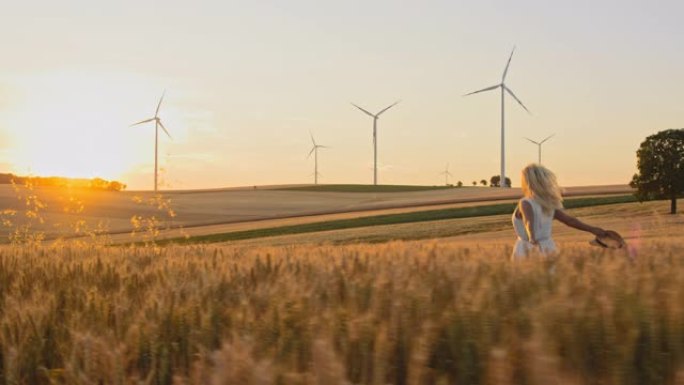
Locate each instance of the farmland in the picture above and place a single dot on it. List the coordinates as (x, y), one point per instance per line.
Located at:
(436, 302)
(69, 212)
(637, 222)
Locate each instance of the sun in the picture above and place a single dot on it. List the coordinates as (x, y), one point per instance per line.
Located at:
(78, 125)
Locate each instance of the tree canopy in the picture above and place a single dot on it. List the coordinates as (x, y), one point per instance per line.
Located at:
(660, 164)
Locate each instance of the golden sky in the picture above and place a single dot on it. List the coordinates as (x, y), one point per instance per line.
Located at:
(247, 81)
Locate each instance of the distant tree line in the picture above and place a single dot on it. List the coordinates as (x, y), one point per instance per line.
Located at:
(56, 181)
(493, 182)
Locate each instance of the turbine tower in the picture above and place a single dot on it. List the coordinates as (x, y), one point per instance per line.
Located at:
(539, 144)
(157, 124)
(314, 150)
(375, 136)
(446, 174)
(504, 89)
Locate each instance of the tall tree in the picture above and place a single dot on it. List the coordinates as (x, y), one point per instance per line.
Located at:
(660, 161)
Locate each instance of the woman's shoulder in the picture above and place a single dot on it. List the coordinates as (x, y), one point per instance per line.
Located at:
(531, 202)
(526, 204)
(526, 200)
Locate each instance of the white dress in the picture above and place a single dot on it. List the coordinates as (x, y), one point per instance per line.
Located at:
(542, 232)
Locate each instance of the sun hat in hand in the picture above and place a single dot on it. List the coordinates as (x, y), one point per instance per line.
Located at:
(609, 240)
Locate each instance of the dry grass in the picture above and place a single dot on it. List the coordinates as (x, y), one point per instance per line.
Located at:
(396, 313)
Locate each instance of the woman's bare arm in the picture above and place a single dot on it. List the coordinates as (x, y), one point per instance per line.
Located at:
(575, 223)
(528, 220)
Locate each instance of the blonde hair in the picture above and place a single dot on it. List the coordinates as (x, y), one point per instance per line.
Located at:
(540, 183)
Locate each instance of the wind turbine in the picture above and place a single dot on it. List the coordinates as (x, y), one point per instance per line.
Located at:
(157, 124)
(504, 89)
(539, 144)
(446, 174)
(314, 150)
(375, 136)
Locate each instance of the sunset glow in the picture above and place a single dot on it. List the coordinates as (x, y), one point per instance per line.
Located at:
(77, 125)
(247, 82)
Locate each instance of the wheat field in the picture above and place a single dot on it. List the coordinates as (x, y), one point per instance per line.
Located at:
(420, 312)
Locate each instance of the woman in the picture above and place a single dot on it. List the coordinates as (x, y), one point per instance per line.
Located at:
(541, 204)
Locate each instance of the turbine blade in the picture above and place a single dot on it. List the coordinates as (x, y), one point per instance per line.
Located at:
(164, 128)
(312, 139)
(484, 89)
(547, 138)
(367, 113)
(516, 98)
(312, 151)
(156, 113)
(321, 146)
(142, 121)
(388, 107)
(532, 141)
(507, 65)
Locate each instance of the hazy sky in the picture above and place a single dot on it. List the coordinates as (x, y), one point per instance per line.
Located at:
(246, 82)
